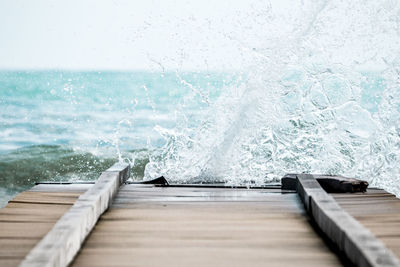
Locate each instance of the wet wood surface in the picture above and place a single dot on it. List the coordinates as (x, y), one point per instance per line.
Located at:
(164, 226)
(29, 216)
(378, 211)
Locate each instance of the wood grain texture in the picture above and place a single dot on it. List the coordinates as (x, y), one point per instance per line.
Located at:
(176, 226)
(378, 211)
(28, 217)
(60, 245)
(358, 243)
(161, 226)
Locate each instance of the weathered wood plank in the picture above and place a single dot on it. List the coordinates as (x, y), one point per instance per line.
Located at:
(378, 211)
(170, 226)
(359, 244)
(56, 188)
(63, 241)
(136, 193)
(204, 227)
(67, 198)
(23, 224)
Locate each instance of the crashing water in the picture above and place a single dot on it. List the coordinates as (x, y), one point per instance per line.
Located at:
(322, 96)
(71, 126)
(320, 93)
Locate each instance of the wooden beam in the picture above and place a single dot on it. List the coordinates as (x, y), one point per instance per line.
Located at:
(358, 243)
(63, 241)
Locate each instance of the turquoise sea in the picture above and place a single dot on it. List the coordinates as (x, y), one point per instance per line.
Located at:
(196, 126)
(70, 126)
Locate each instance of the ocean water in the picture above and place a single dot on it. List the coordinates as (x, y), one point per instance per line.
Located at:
(71, 126)
(319, 92)
(193, 127)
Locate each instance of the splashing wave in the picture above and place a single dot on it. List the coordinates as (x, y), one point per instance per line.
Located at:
(322, 96)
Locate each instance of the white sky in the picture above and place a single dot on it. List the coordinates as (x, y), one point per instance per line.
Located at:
(125, 35)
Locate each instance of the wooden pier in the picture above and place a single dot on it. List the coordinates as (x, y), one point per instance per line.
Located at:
(111, 223)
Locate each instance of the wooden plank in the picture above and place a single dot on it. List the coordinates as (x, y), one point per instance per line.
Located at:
(24, 223)
(204, 227)
(149, 193)
(359, 244)
(67, 198)
(378, 211)
(170, 226)
(63, 241)
(77, 188)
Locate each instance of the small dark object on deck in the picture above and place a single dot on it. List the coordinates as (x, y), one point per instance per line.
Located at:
(159, 181)
(340, 184)
(289, 181)
(330, 183)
